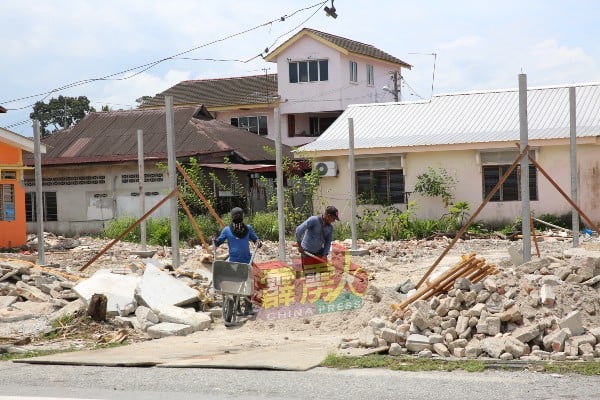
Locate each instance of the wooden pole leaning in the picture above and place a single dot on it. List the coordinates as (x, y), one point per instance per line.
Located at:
(474, 215)
(566, 196)
(192, 221)
(200, 195)
(122, 235)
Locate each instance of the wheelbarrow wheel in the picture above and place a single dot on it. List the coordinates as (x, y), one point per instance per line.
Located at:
(228, 310)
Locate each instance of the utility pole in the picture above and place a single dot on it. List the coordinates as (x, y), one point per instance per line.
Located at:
(397, 95)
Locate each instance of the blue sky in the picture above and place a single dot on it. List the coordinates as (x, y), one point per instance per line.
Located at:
(478, 45)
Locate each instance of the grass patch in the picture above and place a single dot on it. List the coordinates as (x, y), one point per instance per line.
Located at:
(427, 364)
(573, 367)
(29, 354)
(402, 363)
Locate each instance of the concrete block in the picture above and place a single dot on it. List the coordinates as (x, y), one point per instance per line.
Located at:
(377, 323)
(441, 349)
(516, 254)
(165, 329)
(31, 293)
(515, 346)
(196, 320)
(143, 314)
(415, 343)
(526, 333)
(555, 341)
(457, 343)
(506, 357)
(459, 352)
(367, 337)
(157, 287)
(473, 349)
(476, 310)
(596, 332)
(493, 325)
(443, 308)
(551, 280)
(494, 347)
(573, 322)
(462, 323)
(395, 350)
(586, 348)
(513, 314)
(390, 335)
(425, 353)
(119, 289)
(558, 356)
(420, 320)
(547, 295)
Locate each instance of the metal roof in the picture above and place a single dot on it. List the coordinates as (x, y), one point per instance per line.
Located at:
(112, 137)
(460, 118)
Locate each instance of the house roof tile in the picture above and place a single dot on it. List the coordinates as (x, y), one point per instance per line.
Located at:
(224, 92)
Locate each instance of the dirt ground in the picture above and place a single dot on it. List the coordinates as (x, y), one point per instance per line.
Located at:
(388, 264)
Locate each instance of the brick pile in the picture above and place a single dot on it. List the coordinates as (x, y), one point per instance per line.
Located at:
(544, 309)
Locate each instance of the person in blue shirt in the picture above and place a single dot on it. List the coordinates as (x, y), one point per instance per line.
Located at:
(238, 236)
(315, 234)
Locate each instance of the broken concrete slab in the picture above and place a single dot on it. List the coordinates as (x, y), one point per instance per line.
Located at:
(119, 289)
(157, 287)
(34, 307)
(165, 329)
(573, 322)
(196, 320)
(31, 293)
(69, 309)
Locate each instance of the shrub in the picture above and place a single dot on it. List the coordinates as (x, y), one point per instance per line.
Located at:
(117, 226)
(265, 225)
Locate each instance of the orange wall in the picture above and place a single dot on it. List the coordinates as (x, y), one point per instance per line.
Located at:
(13, 233)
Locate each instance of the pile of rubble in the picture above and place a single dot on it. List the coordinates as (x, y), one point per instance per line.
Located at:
(144, 296)
(544, 309)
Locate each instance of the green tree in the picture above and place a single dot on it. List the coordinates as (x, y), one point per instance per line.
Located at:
(60, 113)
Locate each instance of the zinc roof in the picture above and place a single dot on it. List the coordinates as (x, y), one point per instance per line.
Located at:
(112, 137)
(461, 118)
(223, 92)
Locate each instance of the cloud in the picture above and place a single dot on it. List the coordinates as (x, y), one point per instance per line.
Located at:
(122, 94)
(464, 42)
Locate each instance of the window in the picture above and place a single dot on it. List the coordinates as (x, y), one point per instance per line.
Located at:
(353, 71)
(370, 75)
(7, 202)
(49, 207)
(309, 71)
(511, 188)
(318, 125)
(255, 124)
(8, 174)
(380, 187)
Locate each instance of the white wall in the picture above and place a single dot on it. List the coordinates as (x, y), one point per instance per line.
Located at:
(463, 164)
(87, 208)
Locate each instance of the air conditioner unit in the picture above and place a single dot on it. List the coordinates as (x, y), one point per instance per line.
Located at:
(326, 168)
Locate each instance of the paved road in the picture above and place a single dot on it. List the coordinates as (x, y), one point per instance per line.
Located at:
(79, 382)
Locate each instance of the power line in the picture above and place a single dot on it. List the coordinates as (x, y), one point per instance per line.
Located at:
(152, 64)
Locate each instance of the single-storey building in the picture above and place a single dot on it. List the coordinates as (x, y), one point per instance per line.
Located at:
(472, 136)
(12, 192)
(90, 172)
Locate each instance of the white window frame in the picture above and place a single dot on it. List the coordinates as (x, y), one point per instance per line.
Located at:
(370, 75)
(353, 71)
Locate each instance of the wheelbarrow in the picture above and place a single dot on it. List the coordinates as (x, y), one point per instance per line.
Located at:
(233, 280)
